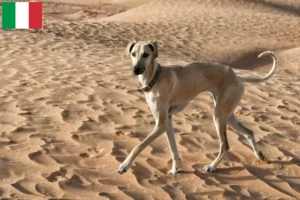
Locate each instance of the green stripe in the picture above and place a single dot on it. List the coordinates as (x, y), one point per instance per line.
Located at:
(8, 15)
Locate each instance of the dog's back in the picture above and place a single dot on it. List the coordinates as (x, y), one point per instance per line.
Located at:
(192, 79)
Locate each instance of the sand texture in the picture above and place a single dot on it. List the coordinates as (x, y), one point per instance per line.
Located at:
(70, 112)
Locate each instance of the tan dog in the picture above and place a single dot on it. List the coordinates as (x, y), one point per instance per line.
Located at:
(168, 90)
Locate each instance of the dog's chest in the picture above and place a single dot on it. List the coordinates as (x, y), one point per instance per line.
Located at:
(152, 101)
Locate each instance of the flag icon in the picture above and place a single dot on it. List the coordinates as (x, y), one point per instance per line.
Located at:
(21, 15)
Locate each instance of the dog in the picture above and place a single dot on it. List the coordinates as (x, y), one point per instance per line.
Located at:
(168, 90)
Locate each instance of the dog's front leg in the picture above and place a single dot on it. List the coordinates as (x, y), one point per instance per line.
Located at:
(157, 131)
(161, 124)
(173, 148)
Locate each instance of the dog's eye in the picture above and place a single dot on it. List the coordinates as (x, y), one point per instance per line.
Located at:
(133, 54)
(145, 55)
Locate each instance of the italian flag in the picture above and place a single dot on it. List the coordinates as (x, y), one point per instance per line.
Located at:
(21, 15)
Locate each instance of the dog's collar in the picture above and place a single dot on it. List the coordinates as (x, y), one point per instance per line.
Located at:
(148, 87)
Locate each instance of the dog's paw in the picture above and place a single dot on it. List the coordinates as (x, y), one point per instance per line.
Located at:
(123, 167)
(122, 170)
(173, 172)
(209, 168)
(262, 159)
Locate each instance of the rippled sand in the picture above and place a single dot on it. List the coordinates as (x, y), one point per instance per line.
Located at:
(70, 112)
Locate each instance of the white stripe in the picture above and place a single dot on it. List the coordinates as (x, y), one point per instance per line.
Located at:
(22, 15)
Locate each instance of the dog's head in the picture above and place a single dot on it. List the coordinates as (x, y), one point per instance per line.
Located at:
(142, 54)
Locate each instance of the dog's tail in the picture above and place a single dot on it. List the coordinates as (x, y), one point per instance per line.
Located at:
(266, 77)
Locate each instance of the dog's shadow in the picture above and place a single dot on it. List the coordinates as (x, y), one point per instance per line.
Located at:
(267, 173)
(224, 170)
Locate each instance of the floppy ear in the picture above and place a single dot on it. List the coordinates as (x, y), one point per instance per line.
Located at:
(153, 45)
(128, 49)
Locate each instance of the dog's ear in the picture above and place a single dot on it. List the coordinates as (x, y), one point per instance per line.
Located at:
(128, 49)
(153, 46)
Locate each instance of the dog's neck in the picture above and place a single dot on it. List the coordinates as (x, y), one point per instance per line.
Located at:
(146, 77)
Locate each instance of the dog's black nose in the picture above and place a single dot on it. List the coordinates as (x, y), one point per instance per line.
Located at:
(136, 71)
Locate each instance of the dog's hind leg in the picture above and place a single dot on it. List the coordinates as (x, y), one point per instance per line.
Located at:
(220, 124)
(248, 134)
(225, 103)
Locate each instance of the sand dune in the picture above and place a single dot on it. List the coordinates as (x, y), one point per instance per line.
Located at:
(70, 112)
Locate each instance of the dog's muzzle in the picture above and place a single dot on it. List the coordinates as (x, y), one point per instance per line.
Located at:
(137, 71)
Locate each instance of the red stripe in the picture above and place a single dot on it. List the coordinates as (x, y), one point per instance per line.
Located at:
(35, 15)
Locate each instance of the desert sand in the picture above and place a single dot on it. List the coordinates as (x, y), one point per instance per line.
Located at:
(70, 112)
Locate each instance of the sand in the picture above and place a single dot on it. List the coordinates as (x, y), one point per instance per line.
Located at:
(70, 112)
